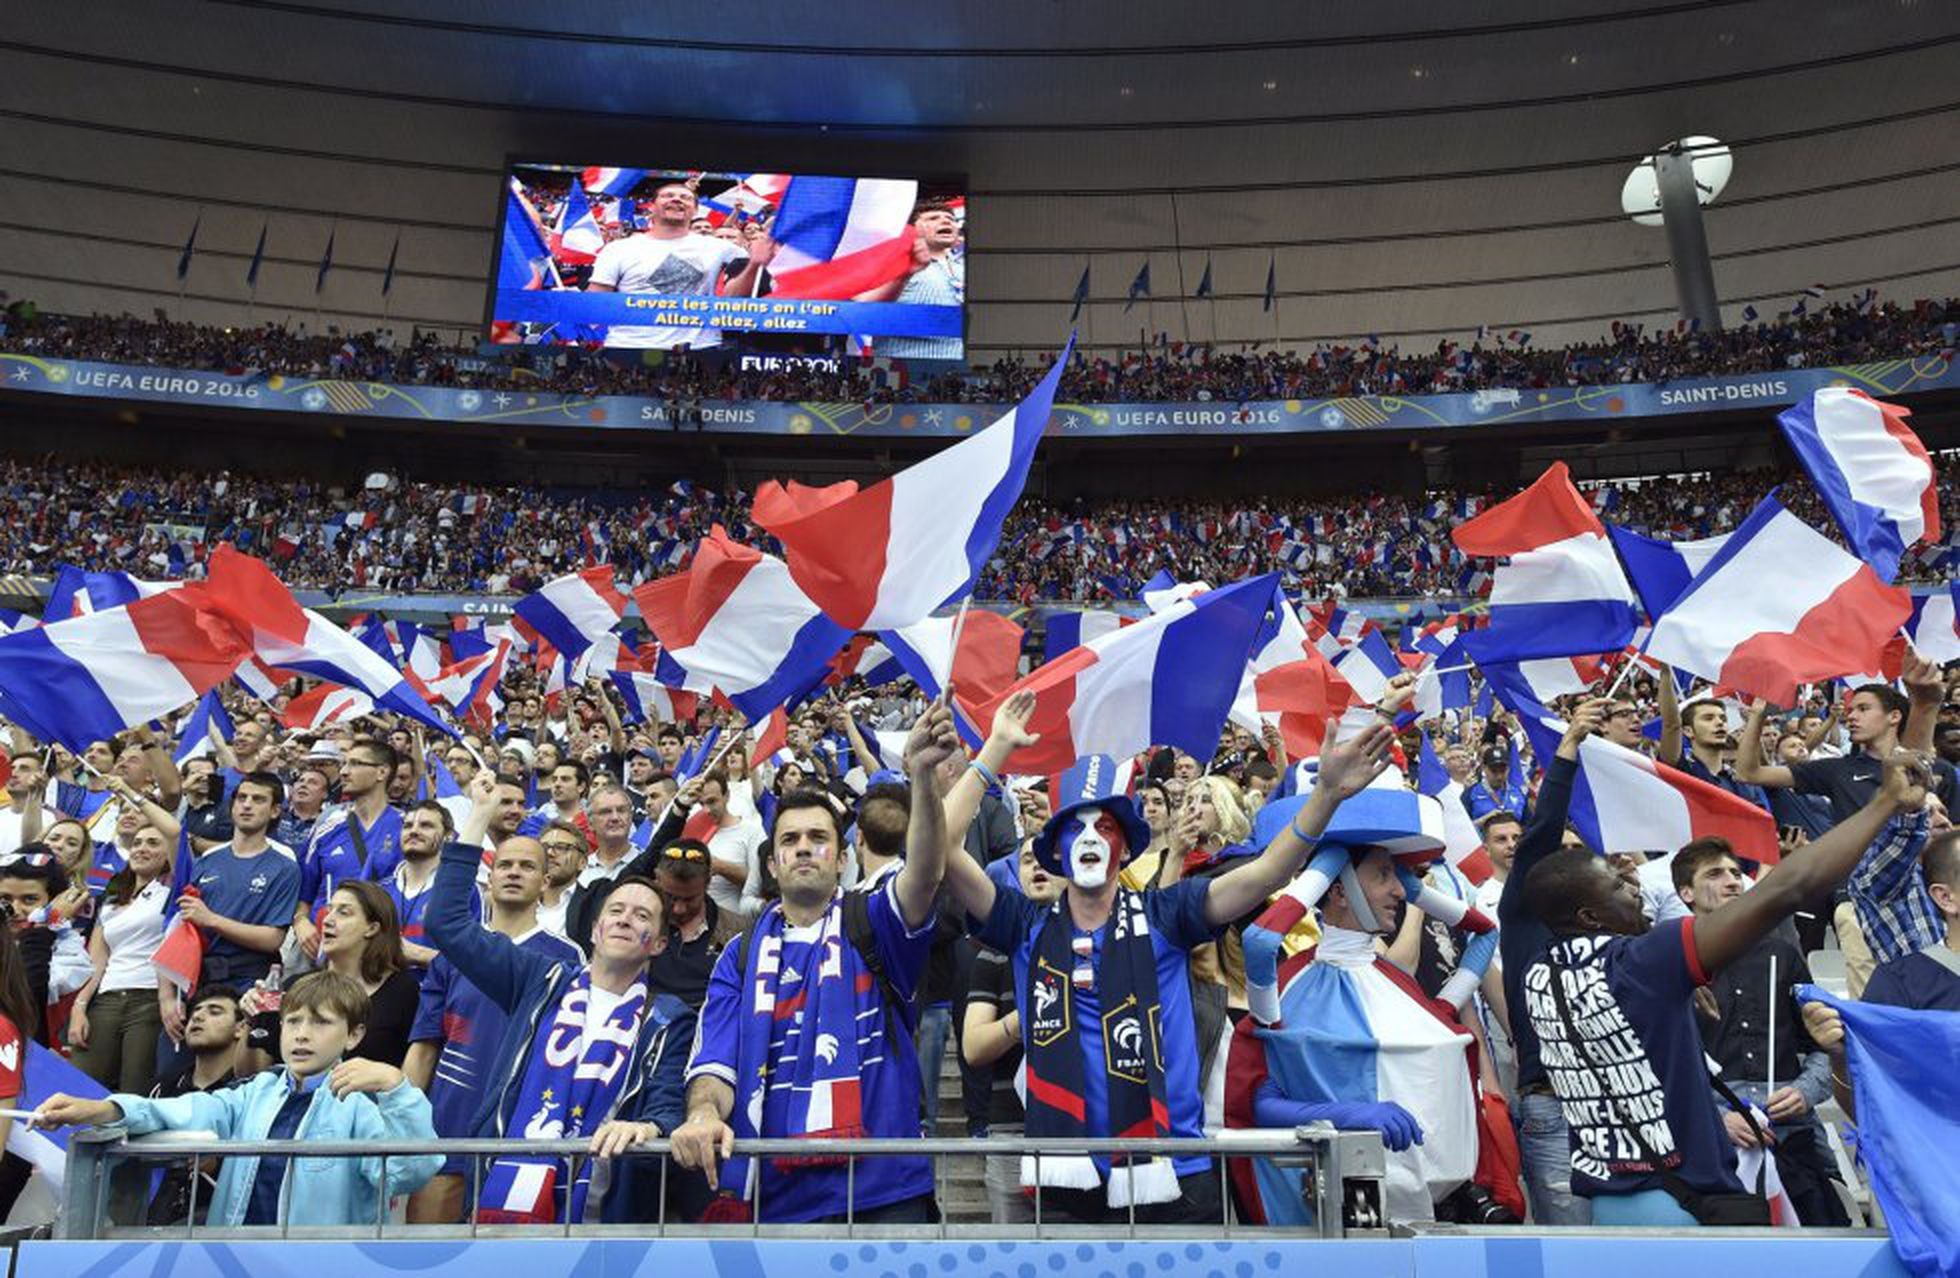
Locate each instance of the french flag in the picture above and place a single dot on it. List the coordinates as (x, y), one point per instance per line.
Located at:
(616, 183)
(466, 686)
(89, 677)
(1168, 680)
(572, 611)
(608, 654)
(1289, 680)
(1779, 605)
(44, 1074)
(1871, 470)
(737, 623)
(324, 705)
(988, 660)
(1935, 629)
(1548, 678)
(1068, 630)
(194, 741)
(1367, 665)
(1563, 591)
(76, 593)
(1623, 801)
(578, 238)
(1660, 570)
(326, 652)
(892, 554)
(837, 237)
(650, 701)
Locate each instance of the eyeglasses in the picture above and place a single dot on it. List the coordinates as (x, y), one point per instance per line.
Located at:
(364, 763)
(562, 845)
(683, 854)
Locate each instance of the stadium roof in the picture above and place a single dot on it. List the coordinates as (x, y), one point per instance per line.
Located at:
(1408, 169)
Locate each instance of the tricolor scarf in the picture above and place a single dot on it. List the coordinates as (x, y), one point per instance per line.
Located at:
(815, 1089)
(573, 1076)
(1133, 1055)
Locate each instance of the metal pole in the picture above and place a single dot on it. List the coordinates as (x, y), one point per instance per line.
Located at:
(1687, 242)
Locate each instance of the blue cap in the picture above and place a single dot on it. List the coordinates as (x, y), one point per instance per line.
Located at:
(1090, 782)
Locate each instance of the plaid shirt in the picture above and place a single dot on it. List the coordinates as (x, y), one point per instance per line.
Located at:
(1889, 893)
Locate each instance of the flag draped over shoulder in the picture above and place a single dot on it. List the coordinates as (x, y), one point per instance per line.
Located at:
(1903, 1064)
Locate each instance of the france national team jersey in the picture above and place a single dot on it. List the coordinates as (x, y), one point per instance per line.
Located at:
(887, 1094)
(261, 889)
(334, 855)
(1177, 925)
(468, 1024)
(410, 909)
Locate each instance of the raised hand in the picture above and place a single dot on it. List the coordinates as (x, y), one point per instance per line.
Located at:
(1907, 775)
(933, 739)
(1346, 767)
(1010, 726)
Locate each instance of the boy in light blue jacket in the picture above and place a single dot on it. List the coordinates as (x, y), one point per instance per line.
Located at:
(315, 1096)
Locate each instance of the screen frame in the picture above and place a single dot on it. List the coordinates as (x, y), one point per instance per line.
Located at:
(514, 160)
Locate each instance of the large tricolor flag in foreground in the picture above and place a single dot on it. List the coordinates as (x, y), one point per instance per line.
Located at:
(1168, 680)
(1902, 1065)
(572, 611)
(76, 593)
(736, 623)
(88, 678)
(1779, 605)
(1874, 475)
(1623, 801)
(1068, 630)
(1563, 591)
(886, 556)
(44, 1074)
(1661, 569)
(837, 237)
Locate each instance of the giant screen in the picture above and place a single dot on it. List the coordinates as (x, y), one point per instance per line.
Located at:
(657, 259)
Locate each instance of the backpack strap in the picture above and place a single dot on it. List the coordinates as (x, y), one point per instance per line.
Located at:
(858, 930)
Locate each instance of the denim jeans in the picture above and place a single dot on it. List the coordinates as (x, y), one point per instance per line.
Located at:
(935, 1023)
(1545, 1146)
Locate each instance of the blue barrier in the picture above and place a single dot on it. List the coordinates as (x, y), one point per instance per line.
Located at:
(1593, 405)
(1581, 1254)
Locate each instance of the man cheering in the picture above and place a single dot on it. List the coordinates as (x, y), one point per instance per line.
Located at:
(807, 1029)
(671, 259)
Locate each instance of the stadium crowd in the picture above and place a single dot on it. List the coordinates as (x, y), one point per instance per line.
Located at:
(383, 914)
(443, 537)
(1843, 333)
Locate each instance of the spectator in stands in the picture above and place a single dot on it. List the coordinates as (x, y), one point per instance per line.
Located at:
(1494, 790)
(20, 1013)
(853, 961)
(305, 802)
(321, 1093)
(31, 881)
(207, 810)
(426, 829)
(361, 839)
(698, 928)
(114, 1024)
(623, 1082)
(1752, 1000)
(214, 1035)
(360, 938)
(25, 818)
(458, 1030)
(1635, 1076)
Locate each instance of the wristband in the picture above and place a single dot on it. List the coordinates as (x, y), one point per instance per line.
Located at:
(986, 773)
(1310, 840)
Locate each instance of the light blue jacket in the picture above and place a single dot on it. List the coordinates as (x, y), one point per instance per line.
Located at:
(322, 1191)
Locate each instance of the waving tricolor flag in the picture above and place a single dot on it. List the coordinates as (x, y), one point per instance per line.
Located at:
(324, 705)
(572, 611)
(1871, 470)
(1779, 606)
(1168, 680)
(1289, 681)
(77, 593)
(736, 623)
(467, 686)
(650, 701)
(1072, 629)
(613, 182)
(194, 739)
(326, 652)
(1935, 626)
(1660, 569)
(886, 556)
(837, 237)
(577, 238)
(988, 660)
(1563, 591)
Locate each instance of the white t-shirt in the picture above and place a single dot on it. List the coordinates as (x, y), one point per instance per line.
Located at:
(742, 844)
(688, 266)
(10, 823)
(1657, 891)
(133, 933)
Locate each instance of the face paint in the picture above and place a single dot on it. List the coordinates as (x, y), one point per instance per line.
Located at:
(1092, 844)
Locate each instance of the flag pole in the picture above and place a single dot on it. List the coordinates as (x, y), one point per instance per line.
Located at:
(1177, 246)
(1769, 1049)
(1626, 668)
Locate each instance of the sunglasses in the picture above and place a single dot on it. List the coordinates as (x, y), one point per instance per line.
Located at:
(32, 859)
(683, 854)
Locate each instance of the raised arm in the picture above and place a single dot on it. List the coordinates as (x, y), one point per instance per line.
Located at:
(966, 878)
(1726, 934)
(1670, 699)
(1346, 769)
(932, 742)
(1749, 765)
(162, 768)
(1925, 690)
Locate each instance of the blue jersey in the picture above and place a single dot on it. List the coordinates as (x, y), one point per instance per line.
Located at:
(410, 909)
(889, 1063)
(334, 855)
(261, 890)
(462, 1018)
(1177, 925)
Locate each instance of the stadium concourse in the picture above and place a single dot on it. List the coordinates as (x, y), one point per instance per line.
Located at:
(1054, 639)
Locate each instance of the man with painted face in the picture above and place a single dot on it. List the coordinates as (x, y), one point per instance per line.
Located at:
(1102, 977)
(1339, 1034)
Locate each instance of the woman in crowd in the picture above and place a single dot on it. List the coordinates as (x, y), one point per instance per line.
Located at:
(360, 937)
(113, 1027)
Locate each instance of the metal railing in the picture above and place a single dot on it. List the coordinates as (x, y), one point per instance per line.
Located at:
(1335, 1166)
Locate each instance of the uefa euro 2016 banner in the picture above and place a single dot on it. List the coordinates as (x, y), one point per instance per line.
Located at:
(1590, 404)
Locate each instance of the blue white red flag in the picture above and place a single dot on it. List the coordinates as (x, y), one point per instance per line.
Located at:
(838, 237)
(577, 238)
(571, 612)
(194, 740)
(1072, 629)
(44, 1074)
(737, 623)
(650, 701)
(1660, 570)
(616, 183)
(889, 555)
(1562, 591)
(1779, 605)
(1873, 473)
(1934, 629)
(77, 593)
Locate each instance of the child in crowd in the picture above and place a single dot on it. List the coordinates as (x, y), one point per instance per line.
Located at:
(315, 1095)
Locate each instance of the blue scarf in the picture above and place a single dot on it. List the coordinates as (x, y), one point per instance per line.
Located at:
(573, 1076)
(819, 1070)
